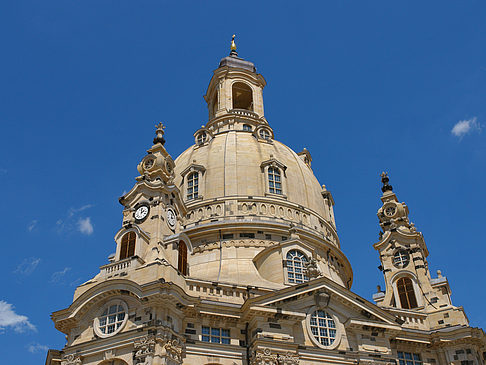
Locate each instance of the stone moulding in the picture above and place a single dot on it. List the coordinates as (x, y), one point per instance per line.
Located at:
(266, 356)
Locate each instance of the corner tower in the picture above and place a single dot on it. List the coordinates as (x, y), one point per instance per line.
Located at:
(420, 299)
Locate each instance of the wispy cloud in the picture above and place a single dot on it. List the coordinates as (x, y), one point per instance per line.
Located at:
(466, 126)
(73, 211)
(59, 275)
(85, 226)
(27, 266)
(32, 225)
(72, 222)
(10, 319)
(37, 347)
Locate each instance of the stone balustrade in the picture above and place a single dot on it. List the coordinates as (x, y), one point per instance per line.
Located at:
(120, 268)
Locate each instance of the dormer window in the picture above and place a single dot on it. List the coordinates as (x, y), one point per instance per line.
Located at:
(242, 96)
(296, 261)
(264, 134)
(202, 137)
(127, 248)
(193, 185)
(274, 180)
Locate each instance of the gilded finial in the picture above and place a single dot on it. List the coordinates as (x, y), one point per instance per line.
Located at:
(233, 46)
(159, 134)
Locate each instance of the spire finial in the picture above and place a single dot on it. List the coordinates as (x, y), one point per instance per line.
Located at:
(159, 134)
(233, 46)
(385, 179)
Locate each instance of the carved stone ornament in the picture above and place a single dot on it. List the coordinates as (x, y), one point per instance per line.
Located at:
(312, 269)
(71, 360)
(144, 350)
(173, 349)
(267, 357)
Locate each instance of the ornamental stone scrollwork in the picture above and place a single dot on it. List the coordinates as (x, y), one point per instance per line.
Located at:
(267, 357)
(312, 269)
(71, 360)
(144, 350)
(173, 349)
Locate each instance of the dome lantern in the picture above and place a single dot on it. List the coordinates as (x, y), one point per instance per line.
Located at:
(235, 94)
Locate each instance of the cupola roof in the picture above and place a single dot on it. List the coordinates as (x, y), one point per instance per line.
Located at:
(236, 62)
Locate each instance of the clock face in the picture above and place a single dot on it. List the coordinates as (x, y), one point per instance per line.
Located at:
(171, 218)
(141, 212)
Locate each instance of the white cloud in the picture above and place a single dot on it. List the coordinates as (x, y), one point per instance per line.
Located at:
(72, 223)
(27, 266)
(32, 225)
(85, 226)
(10, 319)
(59, 275)
(466, 126)
(37, 347)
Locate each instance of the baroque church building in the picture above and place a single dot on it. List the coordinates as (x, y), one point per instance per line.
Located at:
(229, 255)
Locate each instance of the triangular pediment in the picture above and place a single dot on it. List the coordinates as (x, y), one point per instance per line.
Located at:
(323, 292)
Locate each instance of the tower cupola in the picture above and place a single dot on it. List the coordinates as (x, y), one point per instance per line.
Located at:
(235, 96)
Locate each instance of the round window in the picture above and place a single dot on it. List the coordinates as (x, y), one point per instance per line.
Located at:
(323, 327)
(390, 210)
(264, 134)
(401, 258)
(111, 319)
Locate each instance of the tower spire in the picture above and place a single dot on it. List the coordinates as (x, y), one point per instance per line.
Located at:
(233, 47)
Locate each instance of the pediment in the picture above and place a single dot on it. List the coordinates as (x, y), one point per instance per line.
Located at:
(323, 292)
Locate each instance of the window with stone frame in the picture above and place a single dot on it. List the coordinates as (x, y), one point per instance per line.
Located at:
(192, 185)
(201, 138)
(274, 180)
(406, 293)
(264, 134)
(409, 358)
(215, 335)
(323, 327)
(127, 248)
(296, 261)
(182, 258)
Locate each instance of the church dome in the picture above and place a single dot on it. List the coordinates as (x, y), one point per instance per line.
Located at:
(251, 202)
(235, 164)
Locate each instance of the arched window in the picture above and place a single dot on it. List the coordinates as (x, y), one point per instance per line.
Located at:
(242, 96)
(193, 185)
(215, 103)
(274, 180)
(127, 245)
(296, 261)
(182, 259)
(406, 293)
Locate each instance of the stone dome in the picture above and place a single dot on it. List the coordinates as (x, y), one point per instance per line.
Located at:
(234, 164)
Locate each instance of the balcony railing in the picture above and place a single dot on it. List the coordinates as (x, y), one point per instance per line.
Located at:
(122, 266)
(244, 112)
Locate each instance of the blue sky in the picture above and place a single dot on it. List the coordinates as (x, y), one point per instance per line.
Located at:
(364, 86)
